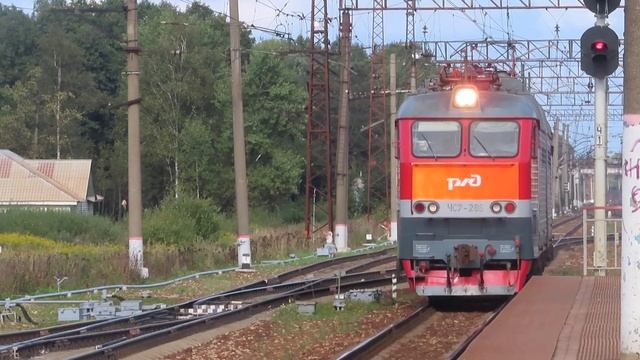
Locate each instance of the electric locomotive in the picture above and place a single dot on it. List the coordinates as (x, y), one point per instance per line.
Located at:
(475, 184)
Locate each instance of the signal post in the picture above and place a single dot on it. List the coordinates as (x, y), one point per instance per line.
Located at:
(599, 58)
(630, 306)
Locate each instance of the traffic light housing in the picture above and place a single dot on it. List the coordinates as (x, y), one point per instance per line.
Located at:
(600, 50)
(602, 7)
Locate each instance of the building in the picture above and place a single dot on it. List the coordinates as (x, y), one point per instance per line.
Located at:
(47, 185)
(582, 182)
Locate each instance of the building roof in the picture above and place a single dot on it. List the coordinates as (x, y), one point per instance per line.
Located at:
(74, 175)
(43, 181)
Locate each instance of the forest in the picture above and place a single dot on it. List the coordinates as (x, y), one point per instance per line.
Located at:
(63, 93)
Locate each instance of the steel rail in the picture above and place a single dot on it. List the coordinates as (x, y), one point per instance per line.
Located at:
(79, 340)
(567, 220)
(10, 340)
(457, 352)
(577, 240)
(366, 348)
(143, 342)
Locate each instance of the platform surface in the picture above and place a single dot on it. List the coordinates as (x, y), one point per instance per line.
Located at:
(555, 318)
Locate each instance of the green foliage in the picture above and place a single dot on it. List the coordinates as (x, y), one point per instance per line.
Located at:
(347, 319)
(28, 269)
(62, 226)
(17, 32)
(275, 124)
(15, 242)
(182, 221)
(292, 212)
(186, 110)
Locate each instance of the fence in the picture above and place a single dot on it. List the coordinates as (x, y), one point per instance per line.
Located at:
(613, 225)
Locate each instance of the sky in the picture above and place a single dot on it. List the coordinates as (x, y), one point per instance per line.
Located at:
(292, 16)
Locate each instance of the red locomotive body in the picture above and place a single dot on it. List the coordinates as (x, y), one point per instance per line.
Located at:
(475, 162)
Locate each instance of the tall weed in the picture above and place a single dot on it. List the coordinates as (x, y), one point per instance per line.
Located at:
(70, 227)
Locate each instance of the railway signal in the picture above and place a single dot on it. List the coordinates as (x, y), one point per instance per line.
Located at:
(600, 51)
(599, 58)
(602, 7)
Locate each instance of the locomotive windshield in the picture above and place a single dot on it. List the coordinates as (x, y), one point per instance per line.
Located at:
(494, 138)
(436, 138)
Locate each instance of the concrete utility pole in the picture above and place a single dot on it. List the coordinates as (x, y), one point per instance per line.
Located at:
(239, 160)
(630, 307)
(341, 234)
(565, 168)
(554, 168)
(393, 160)
(600, 176)
(133, 114)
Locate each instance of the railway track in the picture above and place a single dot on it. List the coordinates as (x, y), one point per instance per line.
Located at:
(370, 346)
(313, 289)
(118, 335)
(256, 296)
(566, 220)
(458, 351)
(412, 327)
(404, 328)
(567, 237)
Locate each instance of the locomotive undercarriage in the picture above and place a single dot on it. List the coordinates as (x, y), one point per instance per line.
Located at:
(485, 257)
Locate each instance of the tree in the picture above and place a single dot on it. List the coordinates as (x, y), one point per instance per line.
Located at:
(17, 45)
(275, 122)
(19, 115)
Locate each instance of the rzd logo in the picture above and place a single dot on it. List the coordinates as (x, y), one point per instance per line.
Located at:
(473, 181)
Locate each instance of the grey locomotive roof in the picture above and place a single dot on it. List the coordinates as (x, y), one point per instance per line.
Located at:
(498, 104)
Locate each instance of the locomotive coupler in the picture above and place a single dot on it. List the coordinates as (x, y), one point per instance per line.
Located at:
(465, 254)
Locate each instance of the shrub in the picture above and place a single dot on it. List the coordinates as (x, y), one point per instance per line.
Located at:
(292, 213)
(182, 221)
(70, 227)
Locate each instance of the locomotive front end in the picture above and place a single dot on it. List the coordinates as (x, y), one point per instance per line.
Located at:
(468, 224)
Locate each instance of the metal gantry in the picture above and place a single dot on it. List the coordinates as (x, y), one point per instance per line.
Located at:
(410, 41)
(550, 68)
(457, 5)
(378, 164)
(319, 179)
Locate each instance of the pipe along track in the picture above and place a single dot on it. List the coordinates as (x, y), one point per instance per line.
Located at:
(71, 335)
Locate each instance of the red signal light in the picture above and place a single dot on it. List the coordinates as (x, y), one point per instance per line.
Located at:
(419, 207)
(599, 46)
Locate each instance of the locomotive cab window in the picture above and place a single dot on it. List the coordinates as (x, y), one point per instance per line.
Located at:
(436, 138)
(494, 138)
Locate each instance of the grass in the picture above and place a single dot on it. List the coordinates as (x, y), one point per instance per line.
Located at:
(91, 251)
(46, 314)
(68, 227)
(288, 315)
(326, 322)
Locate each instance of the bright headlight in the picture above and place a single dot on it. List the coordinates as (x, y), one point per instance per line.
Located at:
(465, 97)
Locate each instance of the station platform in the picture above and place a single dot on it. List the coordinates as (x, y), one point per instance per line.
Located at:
(555, 318)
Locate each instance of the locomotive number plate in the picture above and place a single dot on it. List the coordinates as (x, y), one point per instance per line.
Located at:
(465, 208)
(421, 248)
